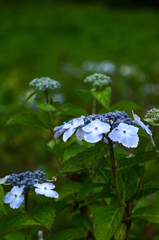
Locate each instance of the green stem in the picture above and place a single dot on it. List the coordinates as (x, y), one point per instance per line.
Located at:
(26, 209)
(50, 116)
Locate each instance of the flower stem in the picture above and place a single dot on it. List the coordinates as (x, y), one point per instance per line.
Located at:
(50, 116)
(26, 209)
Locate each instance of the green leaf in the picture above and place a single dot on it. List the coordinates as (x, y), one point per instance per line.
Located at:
(137, 159)
(26, 119)
(69, 189)
(69, 234)
(128, 183)
(73, 110)
(120, 232)
(31, 95)
(106, 221)
(88, 159)
(125, 105)
(106, 192)
(156, 136)
(151, 122)
(147, 189)
(103, 97)
(84, 95)
(71, 151)
(2, 208)
(44, 213)
(150, 214)
(105, 170)
(87, 189)
(15, 222)
(80, 220)
(45, 107)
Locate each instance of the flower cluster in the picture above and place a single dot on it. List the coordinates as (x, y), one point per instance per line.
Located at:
(24, 182)
(98, 80)
(153, 114)
(115, 126)
(44, 83)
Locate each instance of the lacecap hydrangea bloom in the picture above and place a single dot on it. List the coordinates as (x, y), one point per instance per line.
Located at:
(44, 83)
(115, 126)
(26, 181)
(98, 80)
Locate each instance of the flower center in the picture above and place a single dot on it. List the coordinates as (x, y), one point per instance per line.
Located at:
(96, 128)
(45, 188)
(15, 195)
(124, 131)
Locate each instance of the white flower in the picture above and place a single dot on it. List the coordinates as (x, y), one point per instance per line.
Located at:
(80, 134)
(3, 180)
(126, 135)
(15, 197)
(93, 132)
(46, 189)
(143, 126)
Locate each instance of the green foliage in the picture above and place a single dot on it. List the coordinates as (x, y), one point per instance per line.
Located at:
(87, 189)
(69, 189)
(69, 234)
(45, 106)
(73, 110)
(103, 97)
(71, 151)
(150, 214)
(106, 221)
(44, 213)
(2, 208)
(147, 189)
(120, 232)
(84, 95)
(14, 222)
(31, 95)
(88, 159)
(105, 170)
(125, 105)
(80, 220)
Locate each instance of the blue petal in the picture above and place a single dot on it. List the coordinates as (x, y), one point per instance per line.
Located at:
(9, 198)
(68, 133)
(16, 190)
(104, 128)
(48, 185)
(17, 202)
(92, 137)
(80, 134)
(130, 141)
(51, 193)
(88, 128)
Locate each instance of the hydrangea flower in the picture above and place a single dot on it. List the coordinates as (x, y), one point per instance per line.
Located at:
(68, 128)
(126, 135)
(143, 126)
(14, 197)
(93, 132)
(46, 189)
(44, 83)
(98, 79)
(4, 180)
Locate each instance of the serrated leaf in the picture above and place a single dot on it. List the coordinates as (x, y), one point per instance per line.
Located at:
(128, 183)
(150, 214)
(103, 97)
(26, 119)
(88, 159)
(120, 232)
(137, 159)
(69, 234)
(84, 95)
(15, 222)
(44, 213)
(106, 221)
(69, 189)
(45, 107)
(147, 189)
(71, 151)
(2, 208)
(126, 105)
(105, 170)
(80, 220)
(106, 192)
(73, 110)
(87, 189)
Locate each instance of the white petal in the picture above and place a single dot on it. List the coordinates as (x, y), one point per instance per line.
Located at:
(67, 125)
(104, 128)
(88, 128)
(80, 134)
(68, 133)
(92, 137)
(130, 141)
(15, 190)
(96, 123)
(135, 116)
(40, 191)
(57, 128)
(51, 193)
(3, 180)
(128, 128)
(20, 191)
(9, 198)
(58, 133)
(48, 185)
(17, 202)
(78, 123)
(115, 135)
(38, 185)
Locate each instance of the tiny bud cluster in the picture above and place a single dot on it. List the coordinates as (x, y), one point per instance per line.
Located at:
(44, 83)
(98, 80)
(26, 179)
(153, 114)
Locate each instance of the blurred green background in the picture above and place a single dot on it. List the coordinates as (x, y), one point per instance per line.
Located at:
(68, 41)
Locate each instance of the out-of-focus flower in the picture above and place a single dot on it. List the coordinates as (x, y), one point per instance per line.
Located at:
(93, 132)
(143, 126)
(126, 135)
(98, 80)
(46, 189)
(44, 83)
(15, 197)
(4, 180)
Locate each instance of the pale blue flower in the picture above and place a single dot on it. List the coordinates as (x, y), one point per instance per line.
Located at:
(126, 135)
(93, 132)
(69, 128)
(4, 180)
(15, 197)
(143, 126)
(80, 134)
(46, 189)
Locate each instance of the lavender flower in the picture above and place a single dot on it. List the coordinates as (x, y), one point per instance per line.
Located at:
(14, 197)
(46, 189)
